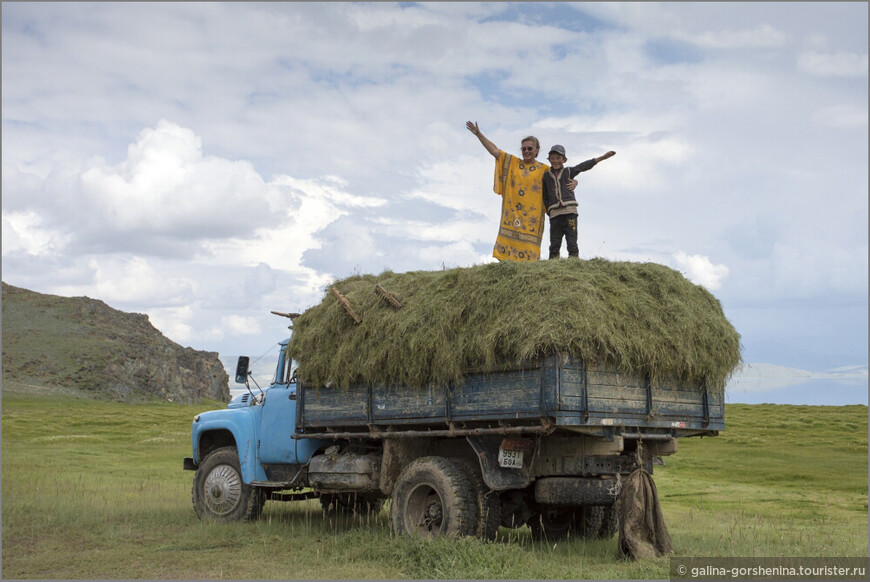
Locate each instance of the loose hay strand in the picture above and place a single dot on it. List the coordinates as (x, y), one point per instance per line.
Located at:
(638, 318)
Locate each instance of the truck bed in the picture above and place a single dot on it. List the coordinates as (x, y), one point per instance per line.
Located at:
(563, 392)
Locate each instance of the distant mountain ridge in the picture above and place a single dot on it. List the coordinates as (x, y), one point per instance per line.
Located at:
(82, 343)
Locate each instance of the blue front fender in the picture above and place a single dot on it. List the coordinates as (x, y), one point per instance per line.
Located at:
(241, 423)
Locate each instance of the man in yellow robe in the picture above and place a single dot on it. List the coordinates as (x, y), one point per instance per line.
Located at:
(518, 182)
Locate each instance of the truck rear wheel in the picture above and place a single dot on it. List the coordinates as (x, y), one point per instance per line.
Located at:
(219, 494)
(488, 501)
(609, 523)
(433, 497)
(553, 524)
(589, 520)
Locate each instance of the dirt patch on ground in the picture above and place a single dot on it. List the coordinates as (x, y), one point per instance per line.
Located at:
(16, 387)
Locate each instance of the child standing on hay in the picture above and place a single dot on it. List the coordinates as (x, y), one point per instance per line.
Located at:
(560, 202)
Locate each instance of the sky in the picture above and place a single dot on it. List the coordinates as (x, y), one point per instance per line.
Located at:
(206, 163)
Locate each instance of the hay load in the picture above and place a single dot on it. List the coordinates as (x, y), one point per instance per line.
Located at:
(638, 318)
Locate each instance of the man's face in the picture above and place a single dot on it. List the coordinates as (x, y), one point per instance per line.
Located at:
(530, 152)
(557, 160)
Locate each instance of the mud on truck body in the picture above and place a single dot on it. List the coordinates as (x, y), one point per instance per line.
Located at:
(545, 445)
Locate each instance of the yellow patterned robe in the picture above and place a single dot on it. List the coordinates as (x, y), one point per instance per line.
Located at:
(522, 209)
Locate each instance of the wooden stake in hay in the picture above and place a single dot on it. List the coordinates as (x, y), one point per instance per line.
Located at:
(292, 316)
(638, 318)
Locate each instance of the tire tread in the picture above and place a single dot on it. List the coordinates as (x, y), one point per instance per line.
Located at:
(441, 471)
(252, 499)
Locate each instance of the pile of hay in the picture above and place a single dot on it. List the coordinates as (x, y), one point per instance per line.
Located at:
(639, 318)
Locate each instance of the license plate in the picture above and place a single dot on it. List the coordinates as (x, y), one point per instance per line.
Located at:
(510, 459)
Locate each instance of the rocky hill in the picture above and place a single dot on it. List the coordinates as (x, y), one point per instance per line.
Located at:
(84, 344)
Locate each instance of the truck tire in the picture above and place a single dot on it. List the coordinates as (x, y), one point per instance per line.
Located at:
(573, 491)
(351, 503)
(488, 501)
(434, 497)
(219, 494)
(609, 522)
(556, 524)
(553, 524)
(589, 519)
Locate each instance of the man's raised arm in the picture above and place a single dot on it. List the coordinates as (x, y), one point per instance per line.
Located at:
(490, 147)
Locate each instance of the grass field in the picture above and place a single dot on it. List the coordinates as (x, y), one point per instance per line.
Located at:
(95, 489)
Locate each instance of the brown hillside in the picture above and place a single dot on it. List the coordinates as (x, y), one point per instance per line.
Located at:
(83, 343)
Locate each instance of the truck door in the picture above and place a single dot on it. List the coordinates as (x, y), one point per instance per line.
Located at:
(277, 423)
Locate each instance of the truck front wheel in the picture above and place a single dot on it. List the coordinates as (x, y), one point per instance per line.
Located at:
(434, 497)
(219, 494)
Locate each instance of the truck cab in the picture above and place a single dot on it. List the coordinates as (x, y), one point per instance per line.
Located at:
(247, 450)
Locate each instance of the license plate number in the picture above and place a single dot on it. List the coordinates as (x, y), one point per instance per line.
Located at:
(510, 459)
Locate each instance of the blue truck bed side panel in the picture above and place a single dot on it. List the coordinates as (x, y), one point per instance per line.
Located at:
(568, 391)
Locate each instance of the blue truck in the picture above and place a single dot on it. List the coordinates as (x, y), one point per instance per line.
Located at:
(544, 445)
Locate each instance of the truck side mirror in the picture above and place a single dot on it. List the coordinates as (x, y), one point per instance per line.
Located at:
(242, 369)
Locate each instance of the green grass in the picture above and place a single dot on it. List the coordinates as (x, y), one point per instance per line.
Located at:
(779, 481)
(94, 489)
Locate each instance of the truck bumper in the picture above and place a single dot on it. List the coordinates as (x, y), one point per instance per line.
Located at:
(189, 464)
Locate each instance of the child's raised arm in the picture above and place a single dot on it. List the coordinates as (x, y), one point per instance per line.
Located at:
(605, 156)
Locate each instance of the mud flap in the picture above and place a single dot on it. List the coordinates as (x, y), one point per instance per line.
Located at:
(496, 477)
(642, 531)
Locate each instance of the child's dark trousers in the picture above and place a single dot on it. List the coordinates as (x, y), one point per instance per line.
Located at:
(563, 225)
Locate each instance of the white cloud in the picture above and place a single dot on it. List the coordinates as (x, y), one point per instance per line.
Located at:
(173, 322)
(761, 36)
(457, 254)
(842, 116)
(701, 271)
(309, 207)
(464, 183)
(836, 64)
(642, 166)
(449, 231)
(240, 325)
(121, 279)
(24, 231)
(167, 191)
(635, 123)
(329, 188)
(760, 377)
(803, 269)
(167, 186)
